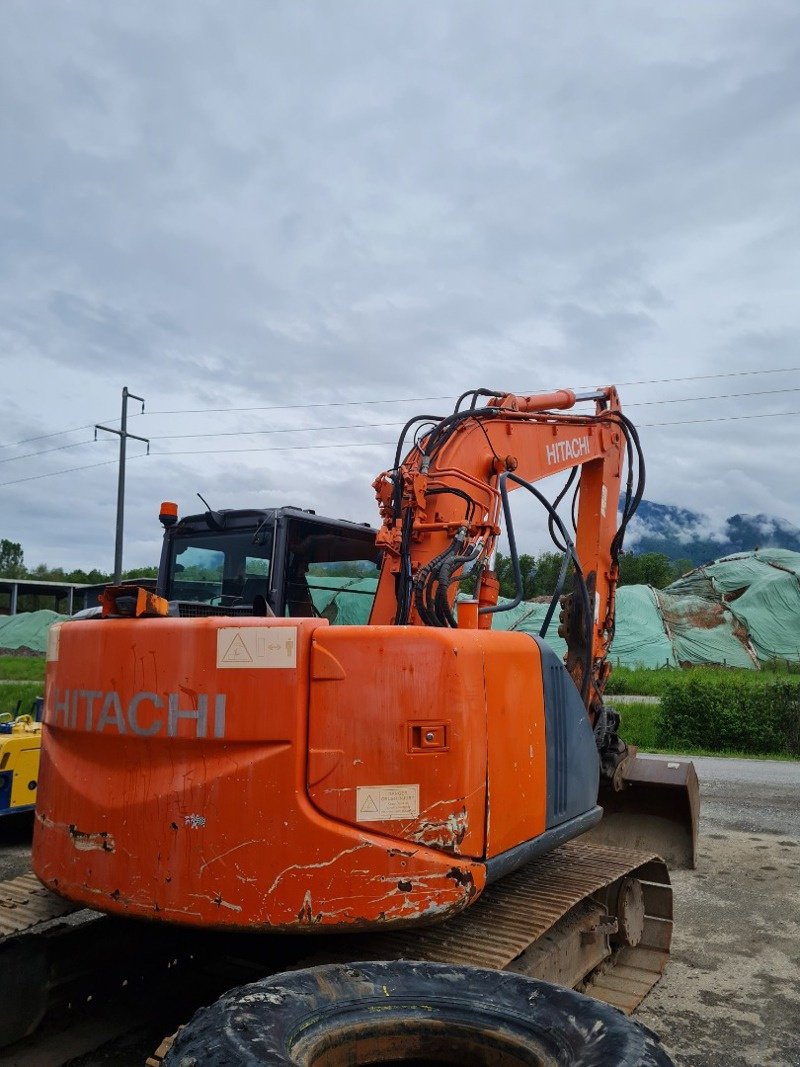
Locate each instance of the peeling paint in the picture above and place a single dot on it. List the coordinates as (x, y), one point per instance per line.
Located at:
(102, 841)
(447, 833)
(306, 913)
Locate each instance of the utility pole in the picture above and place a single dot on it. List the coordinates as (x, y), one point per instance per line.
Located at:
(123, 435)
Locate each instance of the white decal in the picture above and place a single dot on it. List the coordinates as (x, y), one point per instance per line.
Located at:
(603, 501)
(143, 715)
(574, 448)
(381, 803)
(53, 642)
(256, 647)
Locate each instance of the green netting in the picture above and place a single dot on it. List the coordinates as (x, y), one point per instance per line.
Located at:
(27, 630)
(528, 617)
(761, 591)
(728, 612)
(696, 583)
(770, 609)
(343, 601)
(640, 639)
(704, 631)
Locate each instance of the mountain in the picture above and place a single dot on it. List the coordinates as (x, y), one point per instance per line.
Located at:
(683, 534)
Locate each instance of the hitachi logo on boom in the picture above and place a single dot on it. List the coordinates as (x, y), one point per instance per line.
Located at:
(96, 711)
(564, 450)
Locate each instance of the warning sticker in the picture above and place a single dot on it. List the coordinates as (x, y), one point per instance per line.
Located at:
(256, 647)
(381, 803)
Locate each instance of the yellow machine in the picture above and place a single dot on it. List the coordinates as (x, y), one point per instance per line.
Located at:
(20, 743)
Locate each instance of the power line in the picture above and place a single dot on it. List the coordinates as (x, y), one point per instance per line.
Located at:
(425, 399)
(373, 444)
(717, 396)
(66, 470)
(707, 377)
(280, 448)
(366, 444)
(722, 418)
(374, 425)
(56, 433)
(47, 451)
(203, 452)
(404, 400)
(384, 425)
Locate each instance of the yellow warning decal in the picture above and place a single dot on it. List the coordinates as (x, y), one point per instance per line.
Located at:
(256, 647)
(382, 803)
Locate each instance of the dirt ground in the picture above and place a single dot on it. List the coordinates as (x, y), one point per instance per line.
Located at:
(731, 992)
(730, 996)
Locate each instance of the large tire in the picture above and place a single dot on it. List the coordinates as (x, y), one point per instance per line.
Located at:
(405, 1013)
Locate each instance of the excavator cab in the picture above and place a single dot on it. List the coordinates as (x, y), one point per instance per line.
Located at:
(278, 561)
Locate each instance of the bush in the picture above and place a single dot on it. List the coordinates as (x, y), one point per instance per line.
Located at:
(639, 724)
(740, 712)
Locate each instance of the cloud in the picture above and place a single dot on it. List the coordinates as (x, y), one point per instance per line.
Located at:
(277, 205)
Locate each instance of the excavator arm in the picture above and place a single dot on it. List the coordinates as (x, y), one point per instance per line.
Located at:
(444, 505)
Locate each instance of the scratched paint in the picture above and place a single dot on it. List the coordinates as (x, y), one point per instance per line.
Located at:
(83, 842)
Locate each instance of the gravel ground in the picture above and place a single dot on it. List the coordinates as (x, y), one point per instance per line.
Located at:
(731, 993)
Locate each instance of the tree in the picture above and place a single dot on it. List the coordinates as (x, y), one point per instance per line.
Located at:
(11, 559)
(647, 568)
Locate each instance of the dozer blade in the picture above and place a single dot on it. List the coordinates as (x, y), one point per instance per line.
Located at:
(654, 805)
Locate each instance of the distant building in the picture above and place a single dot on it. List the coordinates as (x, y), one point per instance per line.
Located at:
(28, 594)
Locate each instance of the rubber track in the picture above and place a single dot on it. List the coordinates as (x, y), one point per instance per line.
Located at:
(511, 915)
(25, 903)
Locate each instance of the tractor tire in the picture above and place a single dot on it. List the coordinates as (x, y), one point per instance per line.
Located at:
(410, 1014)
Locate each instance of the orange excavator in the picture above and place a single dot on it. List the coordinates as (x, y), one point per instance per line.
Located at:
(308, 728)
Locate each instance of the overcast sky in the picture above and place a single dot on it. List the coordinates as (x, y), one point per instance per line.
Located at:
(328, 213)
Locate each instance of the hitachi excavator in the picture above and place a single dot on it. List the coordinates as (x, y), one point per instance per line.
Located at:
(308, 728)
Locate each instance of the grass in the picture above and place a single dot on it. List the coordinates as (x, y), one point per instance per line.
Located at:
(24, 692)
(22, 668)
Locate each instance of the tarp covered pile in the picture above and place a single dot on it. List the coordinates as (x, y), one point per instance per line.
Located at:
(741, 611)
(28, 630)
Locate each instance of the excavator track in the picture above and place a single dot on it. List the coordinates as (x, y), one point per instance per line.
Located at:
(25, 903)
(527, 922)
(571, 917)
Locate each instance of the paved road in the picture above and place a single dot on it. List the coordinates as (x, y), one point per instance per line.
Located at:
(749, 795)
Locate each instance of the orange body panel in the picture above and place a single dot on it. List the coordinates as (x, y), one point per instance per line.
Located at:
(163, 806)
(516, 750)
(209, 771)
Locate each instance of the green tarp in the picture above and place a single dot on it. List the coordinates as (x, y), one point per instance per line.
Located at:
(742, 611)
(761, 591)
(27, 630)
